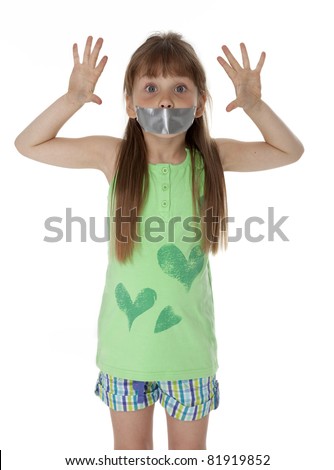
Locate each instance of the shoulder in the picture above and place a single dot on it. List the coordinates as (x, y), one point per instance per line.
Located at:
(199, 164)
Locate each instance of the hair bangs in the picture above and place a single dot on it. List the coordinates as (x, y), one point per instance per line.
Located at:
(166, 61)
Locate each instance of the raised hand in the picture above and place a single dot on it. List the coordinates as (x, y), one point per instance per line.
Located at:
(85, 75)
(246, 81)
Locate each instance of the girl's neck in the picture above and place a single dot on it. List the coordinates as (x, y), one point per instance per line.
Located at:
(165, 149)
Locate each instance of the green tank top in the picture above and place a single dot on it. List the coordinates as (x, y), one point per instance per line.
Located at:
(156, 319)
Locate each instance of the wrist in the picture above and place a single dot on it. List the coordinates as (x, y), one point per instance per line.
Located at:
(255, 108)
(74, 100)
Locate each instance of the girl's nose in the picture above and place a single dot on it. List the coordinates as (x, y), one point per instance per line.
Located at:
(165, 101)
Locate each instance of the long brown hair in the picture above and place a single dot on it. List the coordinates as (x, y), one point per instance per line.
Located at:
(167, 54)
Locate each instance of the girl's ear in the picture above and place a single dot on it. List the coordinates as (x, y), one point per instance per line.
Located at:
(201, 105)
(130, 109)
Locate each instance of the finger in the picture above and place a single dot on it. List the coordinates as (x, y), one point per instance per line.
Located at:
(231, 106)
(96, 99)
(228, 69)
(261, 62)
(245, 58)
(232, 60)
(95, 53)
(87, 49)
(76, 54)
(101, 65)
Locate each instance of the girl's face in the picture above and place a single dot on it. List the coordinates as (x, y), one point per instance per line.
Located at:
(169, 92)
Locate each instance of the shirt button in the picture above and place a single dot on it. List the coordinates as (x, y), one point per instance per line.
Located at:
(164, 187)
(164, 203)
(164, 170)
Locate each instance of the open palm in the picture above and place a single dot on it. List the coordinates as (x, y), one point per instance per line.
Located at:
(85, 74)
(246, 81)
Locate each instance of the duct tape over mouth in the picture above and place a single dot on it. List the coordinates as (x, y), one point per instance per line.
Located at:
(165, 120)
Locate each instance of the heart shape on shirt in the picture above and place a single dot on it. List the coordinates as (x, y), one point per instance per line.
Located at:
(173, 262)
(144, 301)
(167, 318)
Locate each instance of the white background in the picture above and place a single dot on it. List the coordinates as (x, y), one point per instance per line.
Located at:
(273, 300)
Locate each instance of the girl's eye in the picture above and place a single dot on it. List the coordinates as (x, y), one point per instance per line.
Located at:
(151, 88)
(180, 88)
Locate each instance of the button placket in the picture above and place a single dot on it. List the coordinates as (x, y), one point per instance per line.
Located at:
(164, 194)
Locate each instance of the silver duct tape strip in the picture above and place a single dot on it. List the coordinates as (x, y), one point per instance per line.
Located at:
(165, 120)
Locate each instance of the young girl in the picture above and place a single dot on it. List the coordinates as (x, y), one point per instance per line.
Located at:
(167, 207)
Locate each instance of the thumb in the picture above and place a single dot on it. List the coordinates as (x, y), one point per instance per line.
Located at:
(95, 99)
(231, 106)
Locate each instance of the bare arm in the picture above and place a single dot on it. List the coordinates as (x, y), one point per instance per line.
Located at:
(39, 140)
(280, 146)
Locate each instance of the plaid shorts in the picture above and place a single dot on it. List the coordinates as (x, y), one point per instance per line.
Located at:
(186, 400)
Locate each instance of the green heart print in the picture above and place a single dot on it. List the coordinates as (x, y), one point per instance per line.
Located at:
(167, 318)
(144, 301)
(173, 262)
